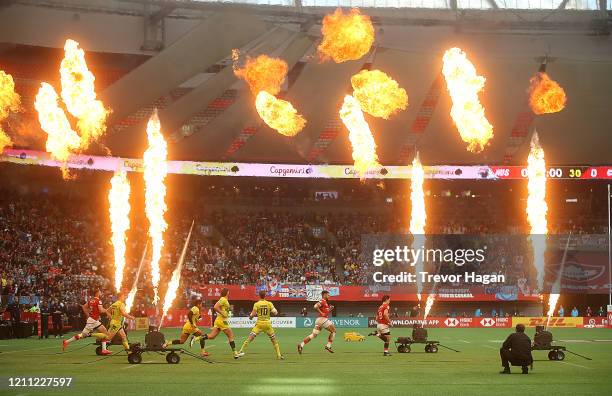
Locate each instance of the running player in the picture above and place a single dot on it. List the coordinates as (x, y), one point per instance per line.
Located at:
(222, 308)
(92, 309)
(262, 309)
(322, 322)
(383, 324)
(190, 328)
(117, 313)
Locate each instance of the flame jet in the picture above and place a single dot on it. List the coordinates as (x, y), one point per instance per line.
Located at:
(79, 95)
(345, 36)
(364, 146)
(546, 96)
(418, 216)
(378, 94)
(428, 305)
(262, 73)
(9, 102)
(279, 114)
(553, 298)
(265, 76)
(467, 113)
(119, 210)
(155, 172)
(536, 206)
(175, 280)
(61, 139)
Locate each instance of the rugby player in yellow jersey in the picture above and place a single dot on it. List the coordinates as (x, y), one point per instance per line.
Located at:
(222, 308)
(262, 309)
(117, 312)
(190, 328)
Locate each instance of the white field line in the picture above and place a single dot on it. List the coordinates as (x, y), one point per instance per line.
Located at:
(577, 365)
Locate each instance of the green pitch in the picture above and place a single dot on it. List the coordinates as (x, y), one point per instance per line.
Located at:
(357, 368)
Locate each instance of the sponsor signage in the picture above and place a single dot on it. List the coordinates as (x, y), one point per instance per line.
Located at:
(31, 157)
(595, 322)
(339, 322)
(243, 322)
(554, 321)
(286, 292)
(448, 322)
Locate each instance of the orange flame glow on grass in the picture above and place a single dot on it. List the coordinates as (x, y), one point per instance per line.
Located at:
(9, 102)
(364, 146)
(279, 114)
(545, 95)
(346, 36)
(536, 205)
(175, 280)
(61, 139)
(463, 86)
(262, 73)
(378, 94)
(155, 171)
(418, 216)
(79, 95)
(119, 211)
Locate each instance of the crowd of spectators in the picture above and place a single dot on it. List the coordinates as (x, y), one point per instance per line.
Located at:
(55, 248)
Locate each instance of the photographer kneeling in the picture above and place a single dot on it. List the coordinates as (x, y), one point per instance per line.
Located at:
(516, 350)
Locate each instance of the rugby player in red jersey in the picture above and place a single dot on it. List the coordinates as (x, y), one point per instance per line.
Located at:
(383, 324)
(322, 322)
(92, 309)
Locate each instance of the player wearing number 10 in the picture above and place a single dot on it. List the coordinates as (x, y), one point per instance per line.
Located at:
(262, 309)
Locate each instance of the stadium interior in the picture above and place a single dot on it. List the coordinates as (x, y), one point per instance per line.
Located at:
(291, 235)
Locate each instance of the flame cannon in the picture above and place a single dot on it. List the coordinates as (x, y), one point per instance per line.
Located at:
(543, 341)
(154, 342)
(419, 336)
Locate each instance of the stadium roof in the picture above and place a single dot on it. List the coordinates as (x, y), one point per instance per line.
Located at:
(208, 114)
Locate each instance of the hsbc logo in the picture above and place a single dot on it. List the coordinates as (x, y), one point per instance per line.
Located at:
(487, 322)
(451, 322)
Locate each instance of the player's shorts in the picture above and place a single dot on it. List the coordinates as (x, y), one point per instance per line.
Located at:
(323, 323)
(91, 326)
(114, 326)
(189, 328)
(265, 327)
(221, 323)
(383, 329)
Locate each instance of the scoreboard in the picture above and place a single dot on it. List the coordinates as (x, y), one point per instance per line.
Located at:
(555, 172)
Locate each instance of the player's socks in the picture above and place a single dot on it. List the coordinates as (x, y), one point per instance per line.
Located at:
(277, 349)
(244, 346)
(126, 346)
(176, 342)
(330, 339)
(99, 336)
(73, 338)
(104, 345)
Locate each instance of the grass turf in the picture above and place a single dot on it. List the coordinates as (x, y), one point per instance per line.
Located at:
(357, 368)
